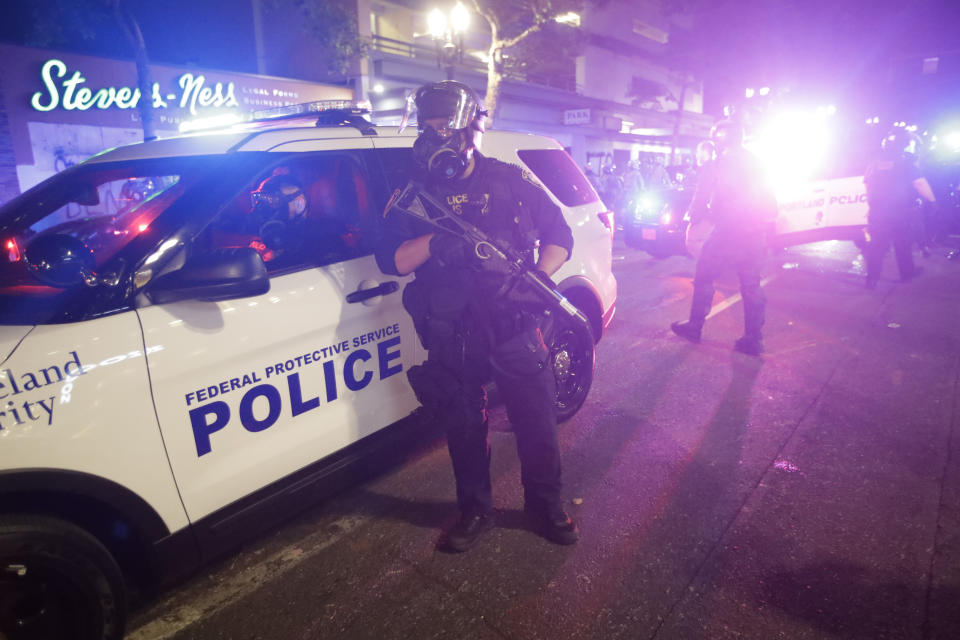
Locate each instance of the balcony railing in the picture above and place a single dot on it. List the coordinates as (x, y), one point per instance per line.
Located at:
(427, 53)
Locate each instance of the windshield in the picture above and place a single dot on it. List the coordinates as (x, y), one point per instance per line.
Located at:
(67, 237)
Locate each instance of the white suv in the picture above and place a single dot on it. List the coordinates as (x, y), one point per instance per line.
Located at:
(171, 382)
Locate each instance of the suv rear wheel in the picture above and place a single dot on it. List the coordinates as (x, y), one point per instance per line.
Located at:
(57, 581)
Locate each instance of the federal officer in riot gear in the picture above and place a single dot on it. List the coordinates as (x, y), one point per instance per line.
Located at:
(472, 333)
(893, 183)
(279, 209)
(732, 194)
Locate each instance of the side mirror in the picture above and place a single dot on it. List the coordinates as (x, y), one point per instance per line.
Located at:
(60, 260)
(220, 274)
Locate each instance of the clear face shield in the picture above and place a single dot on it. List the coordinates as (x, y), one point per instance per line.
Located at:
(289, 199)
(706, 152)
(451, 107)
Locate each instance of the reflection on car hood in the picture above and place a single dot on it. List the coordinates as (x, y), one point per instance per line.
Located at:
(10, 337)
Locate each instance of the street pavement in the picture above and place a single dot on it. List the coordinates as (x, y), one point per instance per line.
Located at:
(810, 493)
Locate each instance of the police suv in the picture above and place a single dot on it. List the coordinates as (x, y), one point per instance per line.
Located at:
(172, 379)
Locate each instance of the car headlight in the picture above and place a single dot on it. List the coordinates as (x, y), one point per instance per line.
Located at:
(647, 207)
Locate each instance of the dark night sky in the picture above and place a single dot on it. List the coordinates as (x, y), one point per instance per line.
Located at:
(829, 47)
(216, 34)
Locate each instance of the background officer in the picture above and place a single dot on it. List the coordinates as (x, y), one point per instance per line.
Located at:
(697, 233)
(732, 194)
(893, 183)
(472, 335)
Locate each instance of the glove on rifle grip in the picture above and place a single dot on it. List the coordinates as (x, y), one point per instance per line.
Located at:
(448, 249)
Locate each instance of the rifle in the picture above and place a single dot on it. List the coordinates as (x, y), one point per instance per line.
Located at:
(415, 201)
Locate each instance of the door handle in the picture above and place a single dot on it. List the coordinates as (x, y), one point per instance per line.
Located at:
(383, 289)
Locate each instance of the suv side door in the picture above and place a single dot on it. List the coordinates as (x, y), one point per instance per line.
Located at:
(251, 390)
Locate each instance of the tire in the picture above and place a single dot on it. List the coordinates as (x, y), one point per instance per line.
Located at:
(659, 250)
(57, 581)
(572, 356)
(632, 239)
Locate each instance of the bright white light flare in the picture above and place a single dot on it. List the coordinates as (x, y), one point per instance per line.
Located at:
(572, 19)
(459, 18)
(792, 146)
(952, 140)
(437, 23)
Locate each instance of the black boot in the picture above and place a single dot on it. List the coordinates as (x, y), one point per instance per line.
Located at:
(749, 346)
(467, 531)
(686, 330)
(553, 524)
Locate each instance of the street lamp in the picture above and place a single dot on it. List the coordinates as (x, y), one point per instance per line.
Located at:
(447, 32)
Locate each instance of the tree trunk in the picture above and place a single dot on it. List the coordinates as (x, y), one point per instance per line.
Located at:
(145, 106)
(130, 28)
(494, 78)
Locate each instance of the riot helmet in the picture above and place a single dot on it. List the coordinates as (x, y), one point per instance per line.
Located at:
(726, 134)
(450, 118)
(706, 152)
(901, 141)
(279, 197)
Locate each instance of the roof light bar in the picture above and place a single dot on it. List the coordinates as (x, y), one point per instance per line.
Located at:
(211, 122)
(306, 108)
(224, 120)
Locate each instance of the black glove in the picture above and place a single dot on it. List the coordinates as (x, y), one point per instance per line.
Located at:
(448, 249)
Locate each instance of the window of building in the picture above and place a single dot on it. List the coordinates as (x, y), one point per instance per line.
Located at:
(650, 32)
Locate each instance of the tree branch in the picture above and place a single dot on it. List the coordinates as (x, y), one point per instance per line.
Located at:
(536, 26)
(489, 16)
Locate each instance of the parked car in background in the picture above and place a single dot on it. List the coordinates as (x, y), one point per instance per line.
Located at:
(655, 221)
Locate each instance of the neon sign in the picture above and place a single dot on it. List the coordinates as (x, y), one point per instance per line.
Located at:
(71, 94)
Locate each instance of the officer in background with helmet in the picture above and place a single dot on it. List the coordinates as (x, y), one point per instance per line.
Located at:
(696, 234)
(279, 215)
(733, 195)
(470, 334)
(893, 183)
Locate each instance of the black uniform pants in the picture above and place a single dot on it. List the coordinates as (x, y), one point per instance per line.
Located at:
(525, 380)
(746, 256)
(883, 233)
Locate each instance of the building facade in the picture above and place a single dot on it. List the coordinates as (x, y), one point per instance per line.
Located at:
(59, 108)
(587, 107)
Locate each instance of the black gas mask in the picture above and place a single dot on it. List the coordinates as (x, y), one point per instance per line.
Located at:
(444, 158)
(455, 115)
(279, 204)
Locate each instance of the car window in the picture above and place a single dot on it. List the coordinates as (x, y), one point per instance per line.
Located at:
(104, 211)
(396, 165)
(59, 238)
(307, 211)
(560, 174)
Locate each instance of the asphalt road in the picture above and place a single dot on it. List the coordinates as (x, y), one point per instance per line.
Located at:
(811, 493)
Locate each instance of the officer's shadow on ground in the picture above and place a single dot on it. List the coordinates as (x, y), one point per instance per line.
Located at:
(425, 514)
(849, 600)
(713, 478)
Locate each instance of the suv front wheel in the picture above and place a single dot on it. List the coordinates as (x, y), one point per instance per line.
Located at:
(572, 354)
(57, 581)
